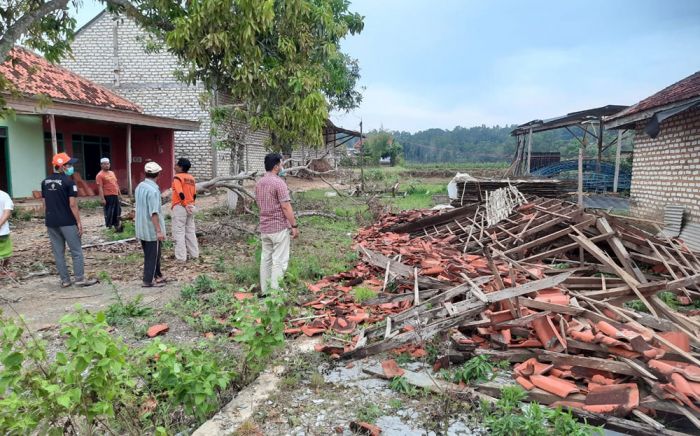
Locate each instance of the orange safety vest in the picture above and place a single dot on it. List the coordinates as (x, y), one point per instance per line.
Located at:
(184, 184)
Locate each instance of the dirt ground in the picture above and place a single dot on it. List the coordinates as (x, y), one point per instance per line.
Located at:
(36, 293)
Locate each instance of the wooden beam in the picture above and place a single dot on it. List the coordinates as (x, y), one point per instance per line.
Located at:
(54, 140)
(129, 182)
(617, 160)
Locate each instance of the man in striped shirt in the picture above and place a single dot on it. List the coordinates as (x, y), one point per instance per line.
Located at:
(277, 223)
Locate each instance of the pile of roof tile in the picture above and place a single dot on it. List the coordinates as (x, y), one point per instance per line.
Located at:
(545, 289)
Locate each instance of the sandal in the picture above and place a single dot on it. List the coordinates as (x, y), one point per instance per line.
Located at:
(66, 284)
(86, 282)
(153, 285)
(161, 279)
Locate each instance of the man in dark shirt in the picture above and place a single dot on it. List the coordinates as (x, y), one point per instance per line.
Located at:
(63, 219)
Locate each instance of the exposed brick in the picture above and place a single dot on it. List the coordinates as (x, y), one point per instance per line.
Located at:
(665, 169)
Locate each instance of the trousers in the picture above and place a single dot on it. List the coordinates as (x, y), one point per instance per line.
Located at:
(274, 259)
(151, 260)
(184, 234)
(59, 237)
(113, 211)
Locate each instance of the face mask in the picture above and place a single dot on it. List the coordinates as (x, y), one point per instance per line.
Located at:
(282, 173)
(69, 171)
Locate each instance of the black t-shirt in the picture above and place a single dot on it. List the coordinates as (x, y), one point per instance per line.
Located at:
(56, 189)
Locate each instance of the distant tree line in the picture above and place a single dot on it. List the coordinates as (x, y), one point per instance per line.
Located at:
(485, 144)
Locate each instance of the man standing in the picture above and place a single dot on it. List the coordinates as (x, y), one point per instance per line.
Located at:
(109, 195)
(6, 207)
(150, 225)
(276, 221)
(184, 196)
(63, 219)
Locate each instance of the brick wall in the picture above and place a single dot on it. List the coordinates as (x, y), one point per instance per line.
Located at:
(666, 169)
(112, 52)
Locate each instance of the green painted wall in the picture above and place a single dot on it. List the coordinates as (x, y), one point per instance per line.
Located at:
(25, 136)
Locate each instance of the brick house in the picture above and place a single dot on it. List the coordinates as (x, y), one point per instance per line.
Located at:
(111, 52)
(666, 166)
(58, 110)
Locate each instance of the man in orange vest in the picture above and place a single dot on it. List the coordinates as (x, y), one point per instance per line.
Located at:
(184, 196)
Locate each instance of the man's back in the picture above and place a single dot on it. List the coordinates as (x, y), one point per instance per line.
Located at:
(270, 193)
(56, 190)
(147, 203)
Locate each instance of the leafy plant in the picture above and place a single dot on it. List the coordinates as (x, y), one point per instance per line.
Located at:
(369, 412)
(202, 284)
(184, 376)
(508, 417)
(119, 313)
(261, 325)
(478, 368)
(401, 385)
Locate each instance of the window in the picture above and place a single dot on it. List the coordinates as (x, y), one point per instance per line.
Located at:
(48, 149)
(89, 150)
(59, 141)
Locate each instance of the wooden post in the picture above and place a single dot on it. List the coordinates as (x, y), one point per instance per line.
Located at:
(600, 143)
(529, 150)
(54, 141)
(128, 160)
(617, 160)
(362, 161)
(580, 174)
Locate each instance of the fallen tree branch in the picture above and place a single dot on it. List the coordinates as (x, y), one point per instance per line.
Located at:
(304, 213)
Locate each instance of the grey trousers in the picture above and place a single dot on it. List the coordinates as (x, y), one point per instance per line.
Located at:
(59, 236)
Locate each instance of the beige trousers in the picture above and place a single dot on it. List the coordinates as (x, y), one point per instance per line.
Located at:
(274, 259)
(184, 234)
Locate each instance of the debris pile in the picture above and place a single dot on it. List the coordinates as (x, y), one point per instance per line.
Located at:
(473, 191)
(551, 288)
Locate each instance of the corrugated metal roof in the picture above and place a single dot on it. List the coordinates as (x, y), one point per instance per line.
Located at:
(691, 236)
(673, 220)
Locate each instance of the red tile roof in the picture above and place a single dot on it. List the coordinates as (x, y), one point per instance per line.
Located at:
(33, 75)
(678, 92)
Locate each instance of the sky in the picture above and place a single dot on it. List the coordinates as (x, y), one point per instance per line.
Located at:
(446, 63)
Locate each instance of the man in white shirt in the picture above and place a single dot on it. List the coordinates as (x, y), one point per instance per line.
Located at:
(6, 207)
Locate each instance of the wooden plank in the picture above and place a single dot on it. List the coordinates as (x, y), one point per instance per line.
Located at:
(425, 381)
(599, 254)
(585, 362)
(563, 249)
(620, 251)
(523, 321)
(401, 270)
(527, 288)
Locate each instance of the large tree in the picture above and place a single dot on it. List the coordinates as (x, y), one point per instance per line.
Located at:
(279, 60)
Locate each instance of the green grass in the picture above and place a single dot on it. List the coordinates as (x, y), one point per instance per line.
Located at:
(361, 294)
(90, 204)
(129, 232)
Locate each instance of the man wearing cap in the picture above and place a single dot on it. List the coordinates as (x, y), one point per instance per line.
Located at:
(63, 219)
(109, 195)
(184, 194)
(150, 225)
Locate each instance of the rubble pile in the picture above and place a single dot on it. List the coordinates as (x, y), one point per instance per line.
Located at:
(472, 191)
(552, 288)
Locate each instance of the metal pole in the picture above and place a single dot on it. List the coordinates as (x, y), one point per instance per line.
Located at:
(529, 150)
(580, 168)
(362, 160)
(54, 141)
(600, 144)
(617, 160)
(128, 160)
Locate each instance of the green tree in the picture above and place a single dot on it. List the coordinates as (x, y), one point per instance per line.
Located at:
(382, 145)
